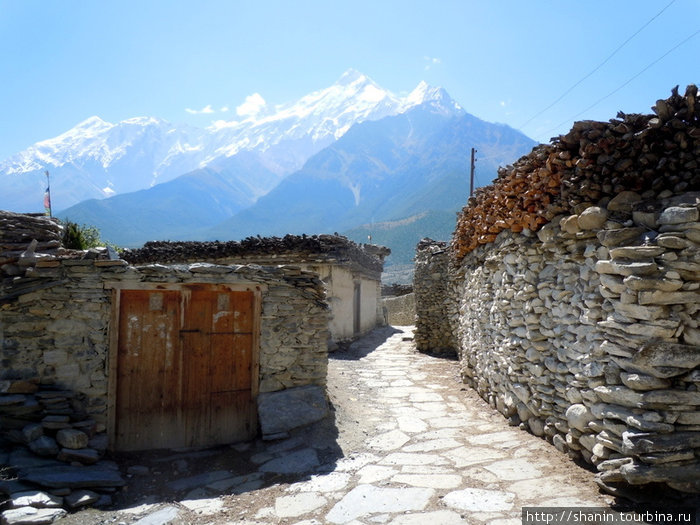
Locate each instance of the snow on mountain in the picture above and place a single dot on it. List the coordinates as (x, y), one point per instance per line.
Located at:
(99, 159)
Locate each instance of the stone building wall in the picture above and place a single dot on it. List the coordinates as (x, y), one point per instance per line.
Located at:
(433, 332)
(55, 323)
(346, 269)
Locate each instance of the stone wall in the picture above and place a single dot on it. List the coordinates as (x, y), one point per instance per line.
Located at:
(55, 322)
(23, 238)
(574, 290)
(587, 334)
(433, 332)
(401, 310)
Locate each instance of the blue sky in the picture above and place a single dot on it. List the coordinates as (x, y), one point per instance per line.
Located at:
(502, 60)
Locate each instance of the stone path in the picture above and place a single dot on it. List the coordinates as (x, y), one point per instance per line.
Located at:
(413, 446)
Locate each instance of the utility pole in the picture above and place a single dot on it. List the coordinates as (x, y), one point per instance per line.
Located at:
(471, 176)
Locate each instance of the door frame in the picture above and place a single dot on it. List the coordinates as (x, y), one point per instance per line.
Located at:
(113, 351)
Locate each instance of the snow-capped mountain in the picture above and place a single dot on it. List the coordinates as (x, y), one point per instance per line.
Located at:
(98, 159)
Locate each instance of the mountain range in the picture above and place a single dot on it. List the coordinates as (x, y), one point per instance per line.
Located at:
(352, 158)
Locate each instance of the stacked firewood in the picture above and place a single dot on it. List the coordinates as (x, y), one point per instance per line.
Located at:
(647, 154)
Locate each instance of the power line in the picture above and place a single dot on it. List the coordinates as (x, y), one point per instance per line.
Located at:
(625, 83)
(599, 65)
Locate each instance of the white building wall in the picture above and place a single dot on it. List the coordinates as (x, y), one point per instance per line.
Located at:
(340, 293)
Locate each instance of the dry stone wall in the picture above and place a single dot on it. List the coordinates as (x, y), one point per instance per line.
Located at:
(589, 337)
(574, 290)
(401, 310)
(433, 331)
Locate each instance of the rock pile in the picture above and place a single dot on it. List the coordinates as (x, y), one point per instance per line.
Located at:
(433, 333)
(53, 451)
(24, 238)
(595, 161)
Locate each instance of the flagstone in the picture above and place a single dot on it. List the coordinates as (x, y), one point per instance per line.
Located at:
(514, 469)
(365, 500)
(438, 517)
(434, 444)
(403, 458)
(432, 481)
(536, 490)
(466, 456)
(479, 500)
(389, 441)
(298, 504)
(411, 424)
(374, 473)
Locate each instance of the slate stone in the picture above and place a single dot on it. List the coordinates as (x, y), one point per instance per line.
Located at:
(284, 410)
(609, 238)
(578, 416)
(636, 252)
(86, 456)
(31, 516)
(298, 504)
(668, 354)
(22, 458)
(302, 461)
(199, 480)
(368, 499)
(44, 446)
(678, 215)
(637, 474)
(623, 201)
(644, 382)
(81, 498)
(164, 516)
(71, 438)
(644, 442)
(73, 477)
(36, 499)
(592, 218)
(479, 500)
(32, 431)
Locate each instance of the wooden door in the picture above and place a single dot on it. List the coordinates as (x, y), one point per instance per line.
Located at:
(185, 374)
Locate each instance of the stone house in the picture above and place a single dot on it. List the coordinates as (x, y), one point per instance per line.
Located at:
(350, 272)
(150, 355)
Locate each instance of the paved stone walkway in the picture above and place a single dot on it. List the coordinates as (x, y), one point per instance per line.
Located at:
(416, 447)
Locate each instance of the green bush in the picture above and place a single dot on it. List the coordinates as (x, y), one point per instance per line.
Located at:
(81, 237)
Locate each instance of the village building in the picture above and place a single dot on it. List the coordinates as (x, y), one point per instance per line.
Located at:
(350, 272)
(180, 345)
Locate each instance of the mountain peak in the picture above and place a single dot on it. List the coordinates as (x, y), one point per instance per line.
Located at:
(143, 121)
(436, 97)
(351, 76)
(92, 124)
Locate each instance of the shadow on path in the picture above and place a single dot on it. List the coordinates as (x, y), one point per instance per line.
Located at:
(363, 346)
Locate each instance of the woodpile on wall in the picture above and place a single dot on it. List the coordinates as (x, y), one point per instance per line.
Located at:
(573, 294)
(595, 161)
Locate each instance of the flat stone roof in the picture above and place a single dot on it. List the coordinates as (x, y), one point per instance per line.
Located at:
(290, 249)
